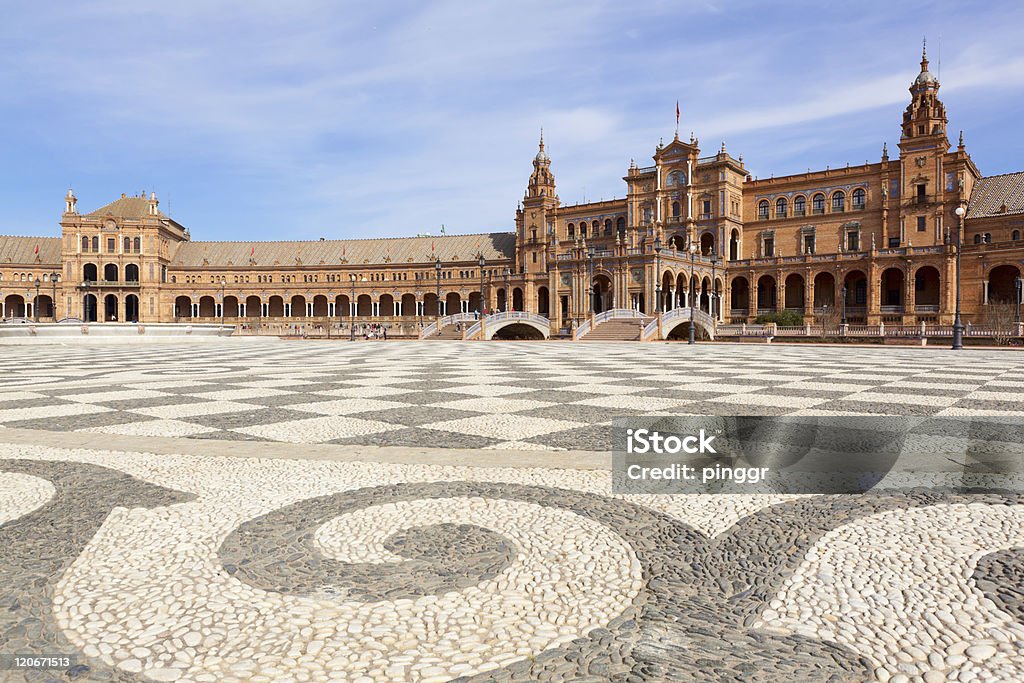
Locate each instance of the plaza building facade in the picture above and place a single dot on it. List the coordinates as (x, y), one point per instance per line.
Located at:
(873, 243)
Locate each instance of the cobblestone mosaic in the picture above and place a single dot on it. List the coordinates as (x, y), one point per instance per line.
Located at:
(196, 568)
(474, 395)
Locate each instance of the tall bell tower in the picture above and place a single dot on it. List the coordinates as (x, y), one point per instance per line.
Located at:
(532, 220)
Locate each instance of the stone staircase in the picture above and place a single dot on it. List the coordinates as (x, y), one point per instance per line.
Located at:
(617, 329)
(453, 331)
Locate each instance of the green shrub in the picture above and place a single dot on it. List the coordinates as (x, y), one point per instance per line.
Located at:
(781, 318)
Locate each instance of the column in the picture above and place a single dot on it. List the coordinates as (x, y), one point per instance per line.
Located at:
(910, 297)
(241, 310)
(984, 292)
(330, 309)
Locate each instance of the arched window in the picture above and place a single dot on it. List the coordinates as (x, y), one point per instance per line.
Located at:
(85, 244)
(818, 203)
(859, 199)
(799, 206)
(138, 245)
(583, 229)
(988, 238)
(572, 231)
(607, 226)
(596, 227)
(1015, 236)
(762, 209)
(977, 239)
(676, 178)
(675, 209)
(781, 207)
(96, 243)
(839, 202)
(127, 245)
(620, 225)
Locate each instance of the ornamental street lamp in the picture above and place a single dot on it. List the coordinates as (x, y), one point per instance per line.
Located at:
(958, 328)
(657, 273)
(437, 269)
(35, 304)
(54, 277)
(352, 310)
(842, 320)
(714, 290)
(508, 273)
(693, 252)
(482, 262)
(590, 279)
(1020, 283)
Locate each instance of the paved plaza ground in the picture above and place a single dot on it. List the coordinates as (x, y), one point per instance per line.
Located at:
(262, 510)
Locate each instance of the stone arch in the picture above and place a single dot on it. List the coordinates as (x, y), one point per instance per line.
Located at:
(707, 243)
(182, 307)
(927, 287)
(386, 305)
(131, 272)
(734, 245)
(890, 288)
(320, 307)
(111, 308)
(739, 294)
(207, 307)
(342, 306)
(110, 272)
(14, 306)
(452, 303)
(409, 305)
(253, 306)
(90, 272)
(298, 304)
(517, 299)
(677, 242)
(543, 299)
(90, 308)
(1002, 284)
(275, 307)
(767, 293)
(230, 306)
(824, 290)
(601, 292)
(364, 306)
(794, 287)
(131, 308)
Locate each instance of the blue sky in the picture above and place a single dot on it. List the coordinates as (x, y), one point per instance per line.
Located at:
(258, 120)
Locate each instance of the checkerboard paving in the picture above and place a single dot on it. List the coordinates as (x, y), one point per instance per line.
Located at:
(528, 395)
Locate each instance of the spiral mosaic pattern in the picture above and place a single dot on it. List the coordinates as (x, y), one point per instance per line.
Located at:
(229, 569)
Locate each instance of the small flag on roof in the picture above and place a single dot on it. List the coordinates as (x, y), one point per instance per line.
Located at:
(37, 248)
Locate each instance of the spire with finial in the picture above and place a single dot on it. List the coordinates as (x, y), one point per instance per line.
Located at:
(723, 146)
(70, 202)
(885, 150)
(961, 143)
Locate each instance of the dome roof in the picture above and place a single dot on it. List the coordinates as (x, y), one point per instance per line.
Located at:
(925, 77)
(542, 155)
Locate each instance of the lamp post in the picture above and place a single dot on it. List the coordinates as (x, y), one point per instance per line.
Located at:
(223, 284)
(437, 269)
(714, 290)
(508, 274)
(35, 304)
(693, 252)
(482, 262)
(85, 301)
(1020, 283)
(958, 328)
(842, 292)
(54, 278)
(657, 273)
(352, 310)
(592, 288)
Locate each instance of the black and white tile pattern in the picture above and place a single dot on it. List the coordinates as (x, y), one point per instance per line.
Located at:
(476, 395)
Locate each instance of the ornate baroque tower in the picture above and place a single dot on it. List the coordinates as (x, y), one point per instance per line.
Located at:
(534, 221)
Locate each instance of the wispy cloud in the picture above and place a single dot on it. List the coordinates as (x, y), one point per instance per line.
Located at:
(321, 118)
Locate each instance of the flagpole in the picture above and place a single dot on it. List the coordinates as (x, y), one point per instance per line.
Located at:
(677, 118)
